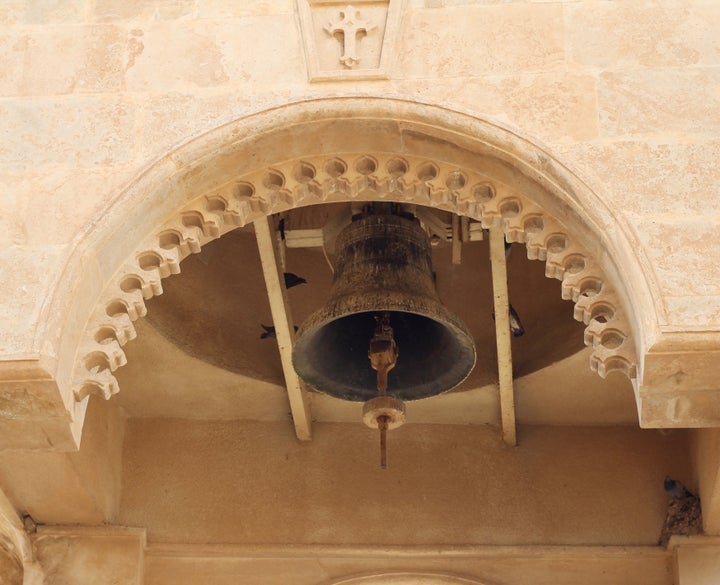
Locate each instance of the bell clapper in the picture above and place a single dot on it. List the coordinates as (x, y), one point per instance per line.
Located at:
(383, 351)
(383, 412)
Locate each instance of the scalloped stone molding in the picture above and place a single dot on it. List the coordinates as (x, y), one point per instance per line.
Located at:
(363, 177)
(310, 152)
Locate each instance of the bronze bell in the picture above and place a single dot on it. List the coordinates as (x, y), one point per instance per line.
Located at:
(383, 265)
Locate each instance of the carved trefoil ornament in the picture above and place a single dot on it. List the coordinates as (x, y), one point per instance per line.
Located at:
(349, 40)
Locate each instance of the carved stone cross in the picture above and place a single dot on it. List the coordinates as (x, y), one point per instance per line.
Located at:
(350, 25)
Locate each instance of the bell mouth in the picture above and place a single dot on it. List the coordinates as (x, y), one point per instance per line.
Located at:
(436, 353)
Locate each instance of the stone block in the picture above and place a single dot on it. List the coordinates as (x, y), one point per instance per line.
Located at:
(696, 312)
(80, 132)
(471, 40)
(156, 67)
(697, 560)
(54, 205)
(684, 252)
(679, 383)
(659, 103)
(27, 274)
(620, 35)
(139, 10)
(63, 60)
(552, 106)
(172, 118)
(223, 9)
(75, 487)
(45, 13)
(644, 177)
(216, 53)
(90, 556)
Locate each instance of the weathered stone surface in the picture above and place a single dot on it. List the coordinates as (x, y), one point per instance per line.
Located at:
(118, 10)
(223, 9)
(656, 103)
(67, 132)
(620, 35)
(216, 54)
(67, 60)
(555, 107)
(683, 251)
(463, 41)
(69, 203)
(23, 293)
(43, 13)
(90, 556)
(647, 178)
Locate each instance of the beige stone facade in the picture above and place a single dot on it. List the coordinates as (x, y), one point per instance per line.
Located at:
(150, 151)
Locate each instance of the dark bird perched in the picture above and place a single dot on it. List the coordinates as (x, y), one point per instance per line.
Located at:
(676, 490)
(270, 331)
(292, 280)
(684, 516)
(516, 327)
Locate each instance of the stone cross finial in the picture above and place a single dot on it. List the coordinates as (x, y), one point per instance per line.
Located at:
(350, 25)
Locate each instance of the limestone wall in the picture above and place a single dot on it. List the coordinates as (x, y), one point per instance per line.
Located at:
(623, 93)
(250, 483)
(100, 97)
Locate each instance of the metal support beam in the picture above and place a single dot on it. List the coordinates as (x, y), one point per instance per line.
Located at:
(502, 334)
(284, 327)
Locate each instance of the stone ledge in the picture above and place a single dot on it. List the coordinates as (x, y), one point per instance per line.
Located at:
(33, 412)
(680, 385)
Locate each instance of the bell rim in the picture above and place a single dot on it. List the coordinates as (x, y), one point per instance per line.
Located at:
(440, 314)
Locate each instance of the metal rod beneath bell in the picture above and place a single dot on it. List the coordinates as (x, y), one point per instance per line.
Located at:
(383, 354)
(383, 425)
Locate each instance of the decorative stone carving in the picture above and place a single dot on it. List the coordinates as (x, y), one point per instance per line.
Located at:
(348, 41)
(350, 26)
(353, 176)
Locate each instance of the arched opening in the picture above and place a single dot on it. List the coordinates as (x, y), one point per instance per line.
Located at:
(353, 149)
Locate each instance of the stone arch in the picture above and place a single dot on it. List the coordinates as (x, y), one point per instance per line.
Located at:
(345, 149)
